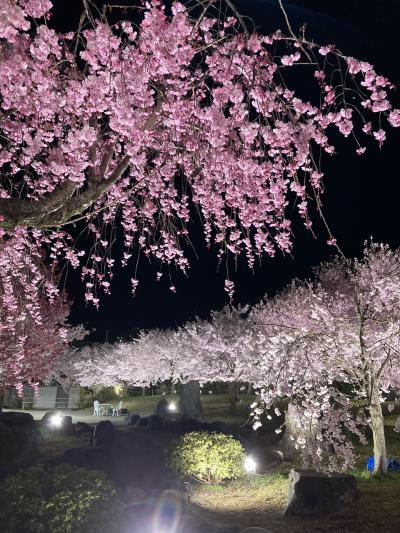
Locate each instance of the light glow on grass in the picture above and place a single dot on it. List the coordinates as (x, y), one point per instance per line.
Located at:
(250, 465)
(56, 420)
(172, 406)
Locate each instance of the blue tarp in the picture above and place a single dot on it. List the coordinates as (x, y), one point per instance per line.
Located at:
(393, 465)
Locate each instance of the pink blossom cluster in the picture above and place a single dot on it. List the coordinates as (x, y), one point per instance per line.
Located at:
(165, 115)
(33, 313)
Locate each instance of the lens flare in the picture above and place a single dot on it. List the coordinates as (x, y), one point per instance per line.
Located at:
(56, 420)
(250, 465)
(167, 517)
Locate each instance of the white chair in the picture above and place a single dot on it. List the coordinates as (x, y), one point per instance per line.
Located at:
(96, 408)
(117, 410)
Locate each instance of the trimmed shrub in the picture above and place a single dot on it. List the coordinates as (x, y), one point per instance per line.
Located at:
(61, 499)
(208, 457)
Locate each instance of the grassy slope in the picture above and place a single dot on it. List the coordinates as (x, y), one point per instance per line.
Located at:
(215, 407)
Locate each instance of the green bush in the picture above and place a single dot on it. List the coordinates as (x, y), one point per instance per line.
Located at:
(61, 499)
(208, 457)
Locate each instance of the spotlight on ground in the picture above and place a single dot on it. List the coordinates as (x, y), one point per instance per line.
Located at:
(56, 420)
(250, 465)
(172, 406)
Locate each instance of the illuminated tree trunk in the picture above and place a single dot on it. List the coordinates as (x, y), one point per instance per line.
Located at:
(232, 396)
(249, 388)
(378, 432)
(190, 403)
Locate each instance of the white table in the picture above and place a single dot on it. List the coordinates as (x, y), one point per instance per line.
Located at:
(104, 408)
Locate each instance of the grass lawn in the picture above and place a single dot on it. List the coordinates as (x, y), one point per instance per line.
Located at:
(215, 406)
(260, 501)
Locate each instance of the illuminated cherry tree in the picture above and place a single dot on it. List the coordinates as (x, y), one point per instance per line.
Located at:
(142, 361)
(135, 124)
(327, 342)
(33, 329)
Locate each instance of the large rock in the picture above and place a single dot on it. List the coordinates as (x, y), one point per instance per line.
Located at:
(7, 444)
(316, 494)
(17, 447)
(174, 426)
(81, 428)
(255, 530)
(46, 418)
(155, 422)
(74, 457)
(192, 424)
(143, 422)
(161, 409)
(15, 419)
(66, 425)
(104, 433)
(131, 419)
(219, 427)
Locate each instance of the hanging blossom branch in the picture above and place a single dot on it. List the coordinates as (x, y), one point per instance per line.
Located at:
(136, 123)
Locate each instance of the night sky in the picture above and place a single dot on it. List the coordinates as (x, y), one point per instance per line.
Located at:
(361, 193)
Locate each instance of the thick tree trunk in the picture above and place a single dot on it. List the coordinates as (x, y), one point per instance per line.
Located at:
(190, 403)
(172, 389)
(143, 391)
(378, 433)
(232, 396)
(249, 388)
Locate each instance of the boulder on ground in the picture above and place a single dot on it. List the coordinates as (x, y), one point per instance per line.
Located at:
(104, 433)
(191, 424)
(47, 417)
(255, 530)
(161, 409)
(81, 428)
(16, 419)
(143, 422)
(131, 419)
(17, 447)
(174, 426)
(74, 457)
(66, 426)
(219, 427)
(316, 494)
(7, 443)
(155, 422)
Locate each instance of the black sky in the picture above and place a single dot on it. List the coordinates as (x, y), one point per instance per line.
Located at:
(361, 198)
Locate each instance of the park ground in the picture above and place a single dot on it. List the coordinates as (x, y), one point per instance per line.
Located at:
(257, 500)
